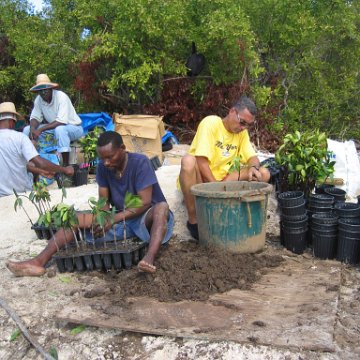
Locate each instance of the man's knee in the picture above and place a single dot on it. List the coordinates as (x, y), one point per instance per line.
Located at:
(188, 163)
(60, 131)
(161, 209)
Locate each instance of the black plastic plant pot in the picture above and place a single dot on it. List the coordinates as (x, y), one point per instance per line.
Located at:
(297, 224)
(325, 228)
(300, 217)
(320, 209)
(42, 232)
(69, 264)
(60, 265)
(291, 198)
(295, 240)
(88, 262)
(81, 177)
(338, 194)
(324, 245)
(347, 210)
(79, 264)
(348, 250)
(324, 218)
(97, 261)
(116, 258)
(294, 210)
(321, 200)
(135, 257)
(349, 224)
(107, 262)
(127, 260)
(349, 233)
(320, 189)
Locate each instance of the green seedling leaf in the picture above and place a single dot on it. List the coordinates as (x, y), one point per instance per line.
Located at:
(33, 254)
(132, 201)
(78, 329)
(14, 335)
(53, 352)
(65, 279)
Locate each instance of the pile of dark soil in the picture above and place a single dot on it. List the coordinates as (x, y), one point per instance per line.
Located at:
(186, 271)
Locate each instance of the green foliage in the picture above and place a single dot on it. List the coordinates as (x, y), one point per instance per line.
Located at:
(78, 329)
(98, 209)
(53, 352)
(132, 201)
(88, 144)
(235, 164)
(298, 58)
(305, 159)
(15, 334)
(39, 197)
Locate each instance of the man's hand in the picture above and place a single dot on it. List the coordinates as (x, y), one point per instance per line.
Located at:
(99, 231)
(69, 170)
(35, 133)
(254, 174)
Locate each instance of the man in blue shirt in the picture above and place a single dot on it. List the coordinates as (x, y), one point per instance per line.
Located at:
(118, 172)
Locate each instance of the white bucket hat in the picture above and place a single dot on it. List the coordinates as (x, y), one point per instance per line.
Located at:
(8, 111)
(43, 82)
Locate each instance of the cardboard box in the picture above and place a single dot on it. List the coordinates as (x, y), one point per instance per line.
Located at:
(141, 133)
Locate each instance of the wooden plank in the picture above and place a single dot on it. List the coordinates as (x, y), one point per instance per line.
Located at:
(293, 306)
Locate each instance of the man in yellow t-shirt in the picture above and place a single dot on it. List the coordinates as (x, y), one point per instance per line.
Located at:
(216, 144)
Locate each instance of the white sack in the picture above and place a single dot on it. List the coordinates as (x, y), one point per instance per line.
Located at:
(347, 166)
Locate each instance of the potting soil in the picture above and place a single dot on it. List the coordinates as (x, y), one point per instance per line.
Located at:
(187, 271)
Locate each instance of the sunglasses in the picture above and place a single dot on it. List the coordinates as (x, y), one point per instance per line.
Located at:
(241, 121)
(44, 91)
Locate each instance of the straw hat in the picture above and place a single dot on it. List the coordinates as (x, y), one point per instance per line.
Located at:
(8, 111)
(43, 82)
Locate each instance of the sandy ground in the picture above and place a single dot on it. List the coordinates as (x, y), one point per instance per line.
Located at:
(37, 300)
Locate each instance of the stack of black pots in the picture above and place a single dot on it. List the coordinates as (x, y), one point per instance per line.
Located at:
(324, 231)
(294, 221)
(348, 249)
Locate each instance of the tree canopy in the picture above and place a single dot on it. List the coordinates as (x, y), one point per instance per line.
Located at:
(298, 59)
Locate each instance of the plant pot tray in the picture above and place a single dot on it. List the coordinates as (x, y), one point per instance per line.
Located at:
(42, 232)
(123, 255)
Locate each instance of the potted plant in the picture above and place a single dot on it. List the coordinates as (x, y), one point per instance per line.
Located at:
(305, 161)
(88, 147)
(41, 199)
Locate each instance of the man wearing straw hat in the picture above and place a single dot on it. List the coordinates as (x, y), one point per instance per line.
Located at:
(53, 113)
(18, 155)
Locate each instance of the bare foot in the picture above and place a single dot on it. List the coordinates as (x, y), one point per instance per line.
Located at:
(25, 268)
(144, 266)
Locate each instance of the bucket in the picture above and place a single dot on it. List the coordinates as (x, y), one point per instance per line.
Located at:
(232, 215)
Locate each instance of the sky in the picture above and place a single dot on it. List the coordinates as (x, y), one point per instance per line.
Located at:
(37, 4)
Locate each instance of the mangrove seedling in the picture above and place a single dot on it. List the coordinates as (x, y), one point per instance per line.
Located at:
(131, 201)
(88, 145)
(235, 165)
(100, 216)
(305, 160)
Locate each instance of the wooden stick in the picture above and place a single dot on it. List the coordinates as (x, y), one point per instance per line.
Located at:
(24, 330)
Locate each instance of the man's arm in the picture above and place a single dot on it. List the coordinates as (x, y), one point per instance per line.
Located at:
(203, 164)
(49, 166)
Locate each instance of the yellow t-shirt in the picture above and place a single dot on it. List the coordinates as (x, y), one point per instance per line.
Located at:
(220, 146)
